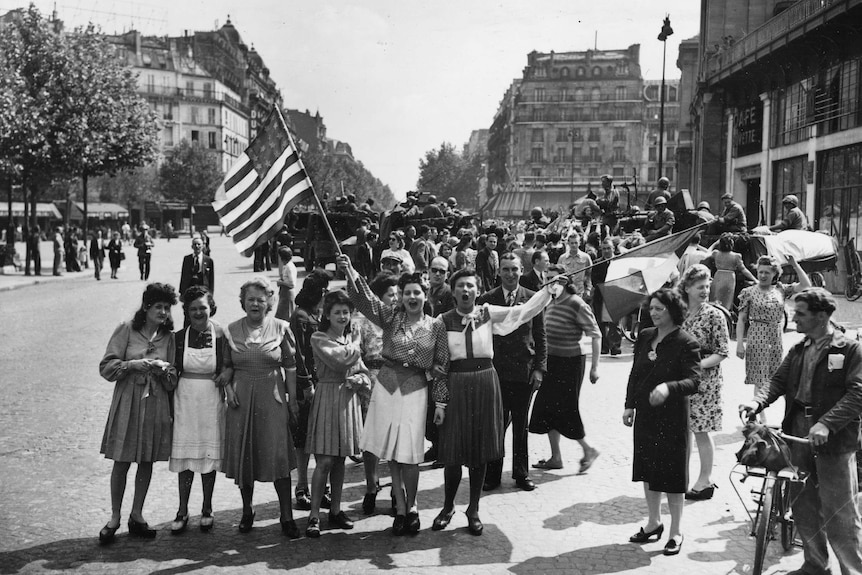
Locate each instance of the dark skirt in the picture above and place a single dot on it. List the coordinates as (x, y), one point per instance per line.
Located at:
(557, 404)
(661, 439)
(472, 431)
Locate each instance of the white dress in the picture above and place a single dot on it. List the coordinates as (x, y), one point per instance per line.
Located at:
(199, 411)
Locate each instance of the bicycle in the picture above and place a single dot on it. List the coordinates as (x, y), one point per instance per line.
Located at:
(853, 285)
(772, 498)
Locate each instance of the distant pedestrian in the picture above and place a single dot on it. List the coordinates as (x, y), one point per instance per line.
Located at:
(34, 253)
(286, 283)
(144, 244)
(58, 250)
(115, 254)
(97, 253)
(139, 358)
(70, 246)
(198, 268)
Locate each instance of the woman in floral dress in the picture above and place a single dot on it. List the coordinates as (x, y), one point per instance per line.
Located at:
(761, 312)
(707, 325)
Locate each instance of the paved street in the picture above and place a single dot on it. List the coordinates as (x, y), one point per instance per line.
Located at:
(54, 483)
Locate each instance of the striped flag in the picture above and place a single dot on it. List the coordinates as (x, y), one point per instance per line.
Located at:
(265, 182)
(639, 272)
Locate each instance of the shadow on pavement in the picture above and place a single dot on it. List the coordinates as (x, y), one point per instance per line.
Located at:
(617, 511)
(225, 547)
(591, 560)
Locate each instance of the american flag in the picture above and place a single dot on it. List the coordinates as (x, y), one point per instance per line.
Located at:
(265, 182)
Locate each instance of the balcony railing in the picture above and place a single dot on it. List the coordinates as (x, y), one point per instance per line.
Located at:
(773, 28)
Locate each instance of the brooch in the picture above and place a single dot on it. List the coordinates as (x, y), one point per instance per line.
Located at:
(651, 355)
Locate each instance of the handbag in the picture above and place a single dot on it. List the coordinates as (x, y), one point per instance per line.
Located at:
(122, 256)
(764, 447)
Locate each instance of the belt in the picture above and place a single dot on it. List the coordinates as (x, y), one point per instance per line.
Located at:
(753, 320)
(189, 375)
(473, 364)
(400, 364)
(374, 363)
(806, 410)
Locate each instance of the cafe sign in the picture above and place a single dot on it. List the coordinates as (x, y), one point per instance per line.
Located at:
(748, 129)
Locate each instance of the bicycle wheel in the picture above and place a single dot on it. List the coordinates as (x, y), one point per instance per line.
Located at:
(851, 289)
(817, 279)
(788, 529)
(765, 523)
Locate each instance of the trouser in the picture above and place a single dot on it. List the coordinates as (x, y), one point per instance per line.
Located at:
(58, 262)
(37, 261)
(516, 407)
(144, 266)
(824, 506)
(98, 263)
(612, 339)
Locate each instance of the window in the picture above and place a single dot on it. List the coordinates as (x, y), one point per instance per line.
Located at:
(620, 113)
(538, 135)
(581, 72)
(619, 134)
(168, 113)
(211, 140)
(622, 68)
(560, 156)
(540, 73)
(594, 155)
(595, 94)
(594, 135)
(562, 135)
(168, 137)
(619, 154)
(670, 134)
(536, 155)
(670, 153)
(208, 90)
(561, 172)
(564, 72)
(620, 92)
(597, 71)
(593, 171)
(619, 172)
(538, 115)
(577, 135)
(653, 156)
(196, 137)
(539, 94)
(564, 115)
(536, 172)
(151, 83)
(668, 171)
(195, 115)
(671, 94)
(579, 94)
(190, 88)
(211, 115)
(564, 94)
(651, 174)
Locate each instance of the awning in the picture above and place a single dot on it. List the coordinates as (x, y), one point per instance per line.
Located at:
(43, 210)
(103, 210)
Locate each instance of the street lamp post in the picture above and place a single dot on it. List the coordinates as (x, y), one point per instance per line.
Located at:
(572, 171)
(666, 31)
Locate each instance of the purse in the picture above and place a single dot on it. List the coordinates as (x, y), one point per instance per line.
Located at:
(763, 447)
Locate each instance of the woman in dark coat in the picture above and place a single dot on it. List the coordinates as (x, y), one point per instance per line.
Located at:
(665, 372)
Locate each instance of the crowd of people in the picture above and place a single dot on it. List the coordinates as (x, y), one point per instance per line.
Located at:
(449, 337)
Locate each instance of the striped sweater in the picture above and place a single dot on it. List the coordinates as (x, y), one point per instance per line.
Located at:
(567, 319)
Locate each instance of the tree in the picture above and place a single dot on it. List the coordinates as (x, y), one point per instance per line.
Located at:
(111, 127)
(190, 174)
(331, 173)
(444, 172)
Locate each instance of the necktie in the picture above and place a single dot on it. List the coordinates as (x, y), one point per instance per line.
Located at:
(510, 299)
(199, 264)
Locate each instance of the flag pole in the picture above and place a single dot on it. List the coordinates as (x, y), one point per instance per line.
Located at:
(314, 193)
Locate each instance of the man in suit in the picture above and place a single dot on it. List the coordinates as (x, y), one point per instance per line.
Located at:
(198, 268)
(539, 274)
(487, 263)
(367, 265)
(520, 359)
(422, 248)
(97, 253)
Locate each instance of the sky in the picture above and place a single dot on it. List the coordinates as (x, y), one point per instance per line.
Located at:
(397, 78)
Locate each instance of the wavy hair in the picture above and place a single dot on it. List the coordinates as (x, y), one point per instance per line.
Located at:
(693, 274)
(153, 294)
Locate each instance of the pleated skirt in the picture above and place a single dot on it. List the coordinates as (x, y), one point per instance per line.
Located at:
(258, 445)
(557, 405)
(139, 427)
(335, 421)
(472, 431)
(395, 425)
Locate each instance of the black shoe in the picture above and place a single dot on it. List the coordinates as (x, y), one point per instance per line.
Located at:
(206, 521)
(106, 535)
(325, 501)
(313, 528)
(490, 485)
(180, 523)
(246, 523)
(525, 484)
(290, 529)
(442, 520)
(303, 501)
(645, 536)
(673, 547)
(368, 503)
(413, 524)
(399, 525)
(340, 520)
(474, 525)
(701, 494)
(141, 530)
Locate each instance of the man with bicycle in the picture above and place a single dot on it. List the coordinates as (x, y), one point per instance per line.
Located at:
(821, 381)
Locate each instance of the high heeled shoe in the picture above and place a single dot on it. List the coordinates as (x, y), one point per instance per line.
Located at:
(313, 529)
(645, 536)
(106, 535)
(142, 530)
(674, 545)
(369, 502)
(474, 524)
(179, 524)
(701, 494)
(442, 520)
(290, 529)
(206, 521)
(413, 524)
(246, 522)
(399, 525)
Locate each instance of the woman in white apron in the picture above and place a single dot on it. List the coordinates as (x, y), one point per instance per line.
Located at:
(198, 440)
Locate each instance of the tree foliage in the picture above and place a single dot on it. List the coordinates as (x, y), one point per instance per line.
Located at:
(68, 106)
(331, 173)
(190, 174)
(446, 172)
